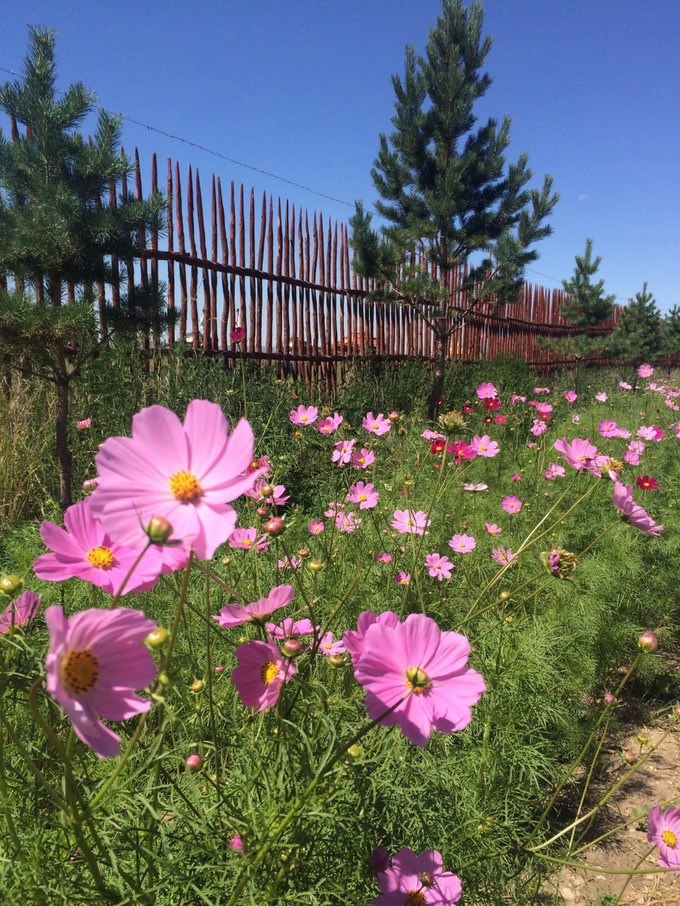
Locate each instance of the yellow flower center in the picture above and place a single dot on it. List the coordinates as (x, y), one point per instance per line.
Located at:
(669, 838)
(247, 542)
(417, 680)
(483, 447)
(185, 487)
(362, 497)
(269, 672)
(415, 898)
(79, 671)
(303, 418)
(101, 558)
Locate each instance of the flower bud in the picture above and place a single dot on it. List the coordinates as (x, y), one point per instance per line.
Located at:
(275, 526)
(676, 710)
(315, 565)
(336, 660)
(648, 641)
(237, 335)
(164, 678)
(262, 512)
(292, 647)
(393, 416)
(610, 699)
(225, 561)
(303, 552)
(10, 584)
(198, 685)
(219, 668)
(354, 751)
(380, 860)
(237, 844)
(628, 756)
(157, 637)
(267, 490)
(193, 762)
(504, 595)
(90, 484)
(159, 530)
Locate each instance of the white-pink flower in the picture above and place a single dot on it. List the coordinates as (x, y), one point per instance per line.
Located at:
(410, 522)
(342, 452)
(304, 415)
(463, 544)
(364, 494)
(486, 391)
(484, 446)
(362, 459)
(438, 567)
(376, 424)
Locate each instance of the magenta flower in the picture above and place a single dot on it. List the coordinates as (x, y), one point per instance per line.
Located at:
(246, 538)
(276, 498)
(347, 522)
(290, 628)
(342, 452)
(409, 522)
(260, 674)
(237, 614)
(486, 391)
(438, 567)
(570, 396)
(632, 458)
(634, 514)
(364, 494)
(417, 879)
(554, 471)
(304, 415)
(84, 550)
(484, 446)
(237, 334)
(645, 371)
(580, 454)
(96, 659)
(503, 555)
(420, 676)
(463, 543)
(460, 451)
(402, 578)
(316, 526)
(19, 612)
(354, 640)
(329, 646)
(492, 529)
(290, 563)
(383, 557)
(186, 473)
(664, 830)
(330, 424)
(539, 427)
(363, 458)
(608, 428)
(377, 424)
(84, 424)
(511, 504)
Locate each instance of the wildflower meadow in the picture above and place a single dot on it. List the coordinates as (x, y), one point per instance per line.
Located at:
(294, 649)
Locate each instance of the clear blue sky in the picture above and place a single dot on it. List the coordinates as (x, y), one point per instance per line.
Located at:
(302, 89)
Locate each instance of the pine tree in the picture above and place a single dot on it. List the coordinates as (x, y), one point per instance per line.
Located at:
(587, 307)
(446, 191)
(638, 337)
(58, 228)
(671, 333)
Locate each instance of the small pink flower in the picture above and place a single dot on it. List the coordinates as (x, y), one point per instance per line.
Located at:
(236, 843)
(277, 498)
(664, 830)
(377, 424)
(316, 526)
(623, 501)
(503, 555)
(492, 529)
(438, 567)
(580, 454)
(84, 424)
(544, 410)
(384, 557)
(290, 629)
(462, 543)
(632, 458)
(645, 371)
(363, 458)
(539, 427)
(417, 879)
(329, 646)
(601, 397)
(608, 428)
(648, 432)
(19, 612)
(484, 446)
(342, 452)
(402, 578)
(516, 477)
(410, 522)
(570, 396)
(624, 385)
(460, 451)
(554, 471)
(290, 563)
(354, 640)
(541, 389)
(261, 673)
(486, 391)
(347, 522)
(330, 424)
(245, 538)
(475, 486)
(637, 446)
(237, 614)
(304, 415)
(364, 494)
(500, 419)
(511, 504)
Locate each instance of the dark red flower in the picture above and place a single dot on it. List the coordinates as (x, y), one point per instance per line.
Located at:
(437, 446)
(237, 335)
(492, 403)
(468, 408)
(647, 483)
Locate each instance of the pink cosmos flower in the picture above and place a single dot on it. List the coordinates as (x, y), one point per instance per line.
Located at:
(329, 646)
(601, 397)
(624, 385)
(463, 543)
(664, 830)
(84, 424)
(438, 567)
(623, 432)
(503, 555)
(290, 629)
(261, 674)
(632, 458)
(420, 676)
(645, 371)
(185, 473)
(554, 471)
(517, 399)
(364, 494)
(383, 557)
(290, 563)
(541, 389)
(402, 578)
(409, 522)
(334, 509)
(330, 424)
(486, 391)
(492, 529)
(84, 550)
(544, 410)
(237, 614)
(648, 432)
(623, 501)
(377, 424)
(363, 458)
(96, 659)
(342, 452)
(539, 427)
(472, 486)
(262, 466)
(570, 396)
(347, 522)
(354, 640)
(608, 428)
(637, 446)
(580, 454)
(316, 526)
(484, 446)
(428, 434)
(500, 419)
(515, 477)
(511, 504)
(277, 498)
(658, 433)
(460, 450)
(417, 879)
(304, 415)
(19, 612)
(245, 538)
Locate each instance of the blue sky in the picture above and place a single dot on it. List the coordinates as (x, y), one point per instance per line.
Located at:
(302, 89)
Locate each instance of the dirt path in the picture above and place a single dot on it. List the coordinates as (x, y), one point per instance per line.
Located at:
(656, 781)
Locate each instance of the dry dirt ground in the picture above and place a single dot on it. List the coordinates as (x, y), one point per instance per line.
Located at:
(656, 782)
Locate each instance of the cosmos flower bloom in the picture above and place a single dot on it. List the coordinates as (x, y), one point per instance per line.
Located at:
(84, 550)
(539, 427)
(632, 458)
(623, 432)
(316, 526)
(623, 501)
(486, 391)
(500, 419)
(637, 446)
(237, 614)
(363, 458)
(342, 452)
(511, 504)
(364, 494)
(276, 498)
(420, 675)
(304, 415)
(237, 335)
(330, 646)
(608, 428)
(544, 410)
(580, 454)
(290, 628)
(262, 466)
(84, 424)
(245, 538)
(96, 659)
(376, 424)
(554, 471)
(645, 371)
(484, 446)
(472, 486)
(517, 399)
(438, 445)
(429, 434)
(491, 403)
(347, 522)
(186, 473)
(624, 385)
(647, 482)
(570, 396)
(492, 529)
(460, 451)
(261, 674)
(649, 432)
(19, 612)
(541, 389)
(330, 424)
(463, 543)
(290, 563)
(438, 567)
(417, 879)
(383, 557)
(503, 555)
(402, 578)
(354, 640)
(410, 522)
(601, 397)
(664, 830)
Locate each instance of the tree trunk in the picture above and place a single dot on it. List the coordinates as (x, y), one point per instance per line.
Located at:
(438, 379)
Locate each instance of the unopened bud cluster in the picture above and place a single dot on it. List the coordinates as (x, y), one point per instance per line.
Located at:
(451, 422)
(559, 563)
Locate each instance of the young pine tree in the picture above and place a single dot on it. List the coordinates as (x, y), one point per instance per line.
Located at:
(58, 228)
(587, 307)
(639, 335)
(446, 191)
